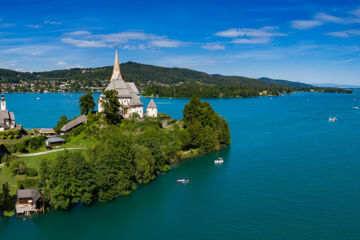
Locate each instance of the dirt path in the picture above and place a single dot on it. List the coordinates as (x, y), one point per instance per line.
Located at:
(46, 152)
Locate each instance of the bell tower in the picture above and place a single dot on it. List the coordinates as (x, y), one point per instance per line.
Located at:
(3, 102)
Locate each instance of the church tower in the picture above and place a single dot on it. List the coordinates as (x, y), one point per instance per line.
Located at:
(116, 71)
(3, 102)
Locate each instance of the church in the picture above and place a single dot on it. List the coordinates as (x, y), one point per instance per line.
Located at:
(7, 119)
(127, 93)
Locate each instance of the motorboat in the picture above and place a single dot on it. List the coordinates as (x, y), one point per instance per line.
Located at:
(183, 180)
(332, 119)
(356, 107)
(219, 161)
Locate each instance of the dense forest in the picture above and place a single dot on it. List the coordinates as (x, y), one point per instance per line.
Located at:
(153, 81)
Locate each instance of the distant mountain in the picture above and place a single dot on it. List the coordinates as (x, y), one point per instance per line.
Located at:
(286, 82)
(333, 85)
(151, 81)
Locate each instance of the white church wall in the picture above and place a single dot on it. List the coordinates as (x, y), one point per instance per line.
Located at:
(151, 112)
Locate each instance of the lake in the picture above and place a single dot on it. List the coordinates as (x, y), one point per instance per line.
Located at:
(289, 174)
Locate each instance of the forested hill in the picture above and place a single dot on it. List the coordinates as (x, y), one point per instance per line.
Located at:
(286, 82)
(152, 81)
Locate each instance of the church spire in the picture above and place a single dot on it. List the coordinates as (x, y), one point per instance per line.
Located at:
(116, 72)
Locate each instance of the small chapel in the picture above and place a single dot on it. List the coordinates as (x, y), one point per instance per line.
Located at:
(128, 95)
(7, 119)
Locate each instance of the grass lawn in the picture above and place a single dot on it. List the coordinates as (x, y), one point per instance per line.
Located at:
(31, 162)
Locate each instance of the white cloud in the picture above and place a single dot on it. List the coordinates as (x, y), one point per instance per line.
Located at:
(166, 43)
(129, 47)
(250, 32)
(124, 37)
(32, 50)
(61, 63)
(213, 46)
(323, 17)
(84, 43)
(79, 33)
(35, 26)
(251, 41)
(305, 24)
(345, 34)
(52, 22)
(251, 35)
(356, 12)
(142, 46)
(129, 40)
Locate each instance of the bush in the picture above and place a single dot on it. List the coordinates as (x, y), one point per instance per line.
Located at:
(12, 148)
(35, 142)
(18, 166)
(31, 172)
(10, 137)
(20, 147)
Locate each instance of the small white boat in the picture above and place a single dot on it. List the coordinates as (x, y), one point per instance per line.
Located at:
(183, 180)
(37, 98)
(219, 161)
(332, 119)
(356, 107)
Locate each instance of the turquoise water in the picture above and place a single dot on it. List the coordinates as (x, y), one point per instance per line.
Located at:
(289, 174)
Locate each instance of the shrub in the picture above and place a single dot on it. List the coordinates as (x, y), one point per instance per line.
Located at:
(36, 142)
(18, 166)
(31, 172)
(12, 148)
(20, 147)
(10, 137)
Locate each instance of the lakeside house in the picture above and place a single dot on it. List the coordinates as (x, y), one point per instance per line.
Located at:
(54, 141)
(47, 132)
(73, 124)
(127, 94)
(7, 119)
(29, 201)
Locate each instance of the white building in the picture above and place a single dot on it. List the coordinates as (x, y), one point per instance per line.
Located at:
(127, 94)
(151, 109)
(7, 119)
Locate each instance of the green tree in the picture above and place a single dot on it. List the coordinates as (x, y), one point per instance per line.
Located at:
(113, 163)
(71, 180)
(18, 166)
(60, 123)
(86, 103)
(111, 106)
(207, 129)
(144, 164)
(6, 200)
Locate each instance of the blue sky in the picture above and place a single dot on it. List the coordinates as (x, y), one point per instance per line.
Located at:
(308, 41)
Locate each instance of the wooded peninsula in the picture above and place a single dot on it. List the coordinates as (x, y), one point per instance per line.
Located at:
(119, 154)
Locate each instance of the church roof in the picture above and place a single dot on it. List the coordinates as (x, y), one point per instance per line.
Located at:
(135, 101)
(12, 116)
(6, 115)
(132, 87)
(151, 104)
(124, 89)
